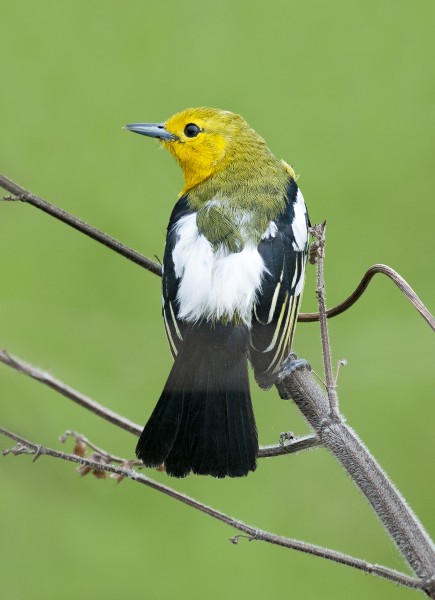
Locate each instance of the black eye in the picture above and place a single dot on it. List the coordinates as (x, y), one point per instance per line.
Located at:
(191, 130)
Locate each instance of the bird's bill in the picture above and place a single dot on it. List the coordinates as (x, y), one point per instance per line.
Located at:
(155, 130)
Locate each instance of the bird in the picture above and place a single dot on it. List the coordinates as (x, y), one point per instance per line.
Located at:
(233, 274)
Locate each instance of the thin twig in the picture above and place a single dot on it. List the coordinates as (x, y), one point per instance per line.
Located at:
(341, 363)
(362, 286)
(317, 256)
(82, 442)
(393, 511)
(81, 399)
(398, 518)
(22, 195)
(25, 446)
(289, 447)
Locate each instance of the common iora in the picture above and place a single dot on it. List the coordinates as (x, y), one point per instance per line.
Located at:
(233, 274)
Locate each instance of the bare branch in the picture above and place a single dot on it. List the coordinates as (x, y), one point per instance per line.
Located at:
(26, 447)
(82, 443)
(290, 447)
(341, 440)
(317, 256)
(398, 518)
(22, 195)
(341, 363)
(323, 415)
(338, 437)
(362, 286)
(69, 392)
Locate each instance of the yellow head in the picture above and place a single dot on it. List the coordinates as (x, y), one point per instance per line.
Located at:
(205, 141)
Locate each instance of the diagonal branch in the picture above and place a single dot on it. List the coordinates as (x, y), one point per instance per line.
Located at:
(288, 447)
(399, 520)
(22, 195)
(339, 438)
(321, 412)
(25, 447)
(81, 399)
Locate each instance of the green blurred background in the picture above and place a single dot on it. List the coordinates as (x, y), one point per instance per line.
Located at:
(345, 92)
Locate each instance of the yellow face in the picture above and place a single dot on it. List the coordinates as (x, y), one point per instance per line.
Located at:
(204, 143)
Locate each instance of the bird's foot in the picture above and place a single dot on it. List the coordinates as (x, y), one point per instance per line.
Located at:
(292, 364)
(286, 436)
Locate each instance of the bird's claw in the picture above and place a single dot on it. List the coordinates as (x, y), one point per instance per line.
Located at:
(292, 364)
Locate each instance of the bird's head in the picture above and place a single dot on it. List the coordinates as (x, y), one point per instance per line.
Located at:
(205, 141)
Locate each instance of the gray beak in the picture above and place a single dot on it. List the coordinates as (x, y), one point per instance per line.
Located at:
(155, 130)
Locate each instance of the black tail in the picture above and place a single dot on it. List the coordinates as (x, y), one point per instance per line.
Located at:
(203, 421)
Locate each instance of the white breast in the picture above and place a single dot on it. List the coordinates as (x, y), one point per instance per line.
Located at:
(214, 284)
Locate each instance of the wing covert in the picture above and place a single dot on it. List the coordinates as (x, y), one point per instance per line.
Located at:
(174, 327)
(283, 248)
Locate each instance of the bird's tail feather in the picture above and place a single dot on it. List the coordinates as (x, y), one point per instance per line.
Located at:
(203, 421)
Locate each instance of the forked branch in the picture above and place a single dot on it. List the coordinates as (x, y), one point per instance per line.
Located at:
(26, 447)
(320, 410)
(289, 446)
(19, 194)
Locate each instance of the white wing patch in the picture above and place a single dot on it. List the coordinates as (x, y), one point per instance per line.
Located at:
(278, 326)
(214, 284)
(270, 231)
(300, 284)
(169, 336)
(299, 224)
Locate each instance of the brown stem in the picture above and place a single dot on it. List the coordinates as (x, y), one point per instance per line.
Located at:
(82, 442)
(81, 399)
(362, 286)
(20, 194)
(24, 446)
(289, 447)
(317, 256)
(25, 196)
(391, 508)
(322, 414)
(341, 440)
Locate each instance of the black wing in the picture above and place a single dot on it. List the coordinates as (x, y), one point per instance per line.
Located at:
(173, 326)
(276, 308)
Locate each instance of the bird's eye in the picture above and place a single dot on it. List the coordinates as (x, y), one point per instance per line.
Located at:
(191, 130)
